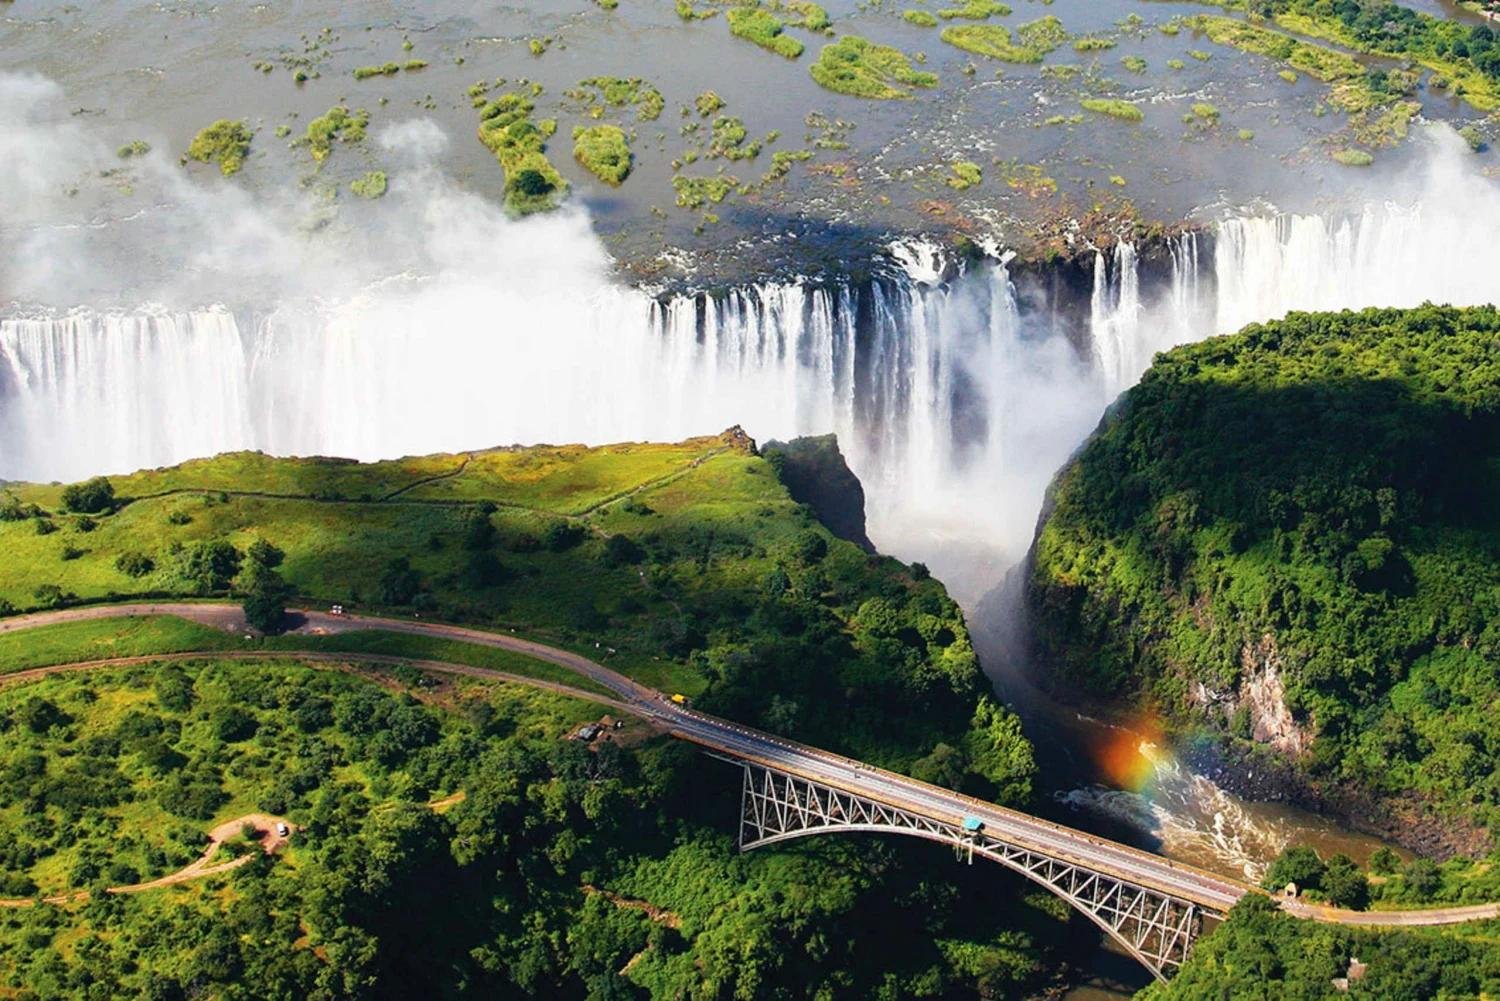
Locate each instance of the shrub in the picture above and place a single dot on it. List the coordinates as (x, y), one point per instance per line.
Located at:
(1296, 864)
(204, 567)
(562, 535)
(225, 142)
(134, 564)
(603, 152)
(1123, 110)
(857, 66)
(232, 723)
(619, 550)
(371, 185)
(95, 496)
(52, 596)
(399, 583)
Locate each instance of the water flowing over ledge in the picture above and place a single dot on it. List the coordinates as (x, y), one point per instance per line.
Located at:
(954, 386)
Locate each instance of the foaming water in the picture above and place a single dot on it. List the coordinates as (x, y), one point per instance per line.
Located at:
(1195, 820)
(954, 406)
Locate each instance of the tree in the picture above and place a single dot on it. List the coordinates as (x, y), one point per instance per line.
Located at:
(620, 550)
(134, 564)
(1344, 884)
(1296, 864)
(532, 183)
(265, 599)
(267, 555)
(399, 583)
(95, 496)
(1422, 877)
(205, 567)
(1384, 862)
(1000, 752)
(562, 535)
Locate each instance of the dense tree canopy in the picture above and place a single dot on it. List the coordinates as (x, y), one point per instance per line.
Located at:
(1312, 500)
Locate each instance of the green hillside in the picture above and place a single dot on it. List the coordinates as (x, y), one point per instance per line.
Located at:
(1289, 538)
(447, 839)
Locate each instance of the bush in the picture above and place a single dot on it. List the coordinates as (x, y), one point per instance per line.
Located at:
(232, 723)
(95, 496)
(52, 596)
(1296, 864)
(204, 567)
(621, 551)
(134, 564)
(399, 583)
(226, 142)
(262, 552)
(562, 535)
(1344, 884)
(1422, 877)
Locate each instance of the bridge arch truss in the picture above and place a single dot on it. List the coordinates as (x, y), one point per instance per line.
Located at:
(1156, 928)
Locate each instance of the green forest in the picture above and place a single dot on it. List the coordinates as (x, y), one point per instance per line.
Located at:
(448, 842)
(1288, 538)
(1261, 954)
(448, 839)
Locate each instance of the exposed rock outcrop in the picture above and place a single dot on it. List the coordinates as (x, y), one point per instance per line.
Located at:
(816, 474)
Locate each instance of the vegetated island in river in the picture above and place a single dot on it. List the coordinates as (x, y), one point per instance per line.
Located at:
(443, 834)
(1286, 541)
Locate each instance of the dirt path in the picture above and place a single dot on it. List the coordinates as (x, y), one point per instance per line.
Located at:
(197, 869)
(231, 619)
(320, 657)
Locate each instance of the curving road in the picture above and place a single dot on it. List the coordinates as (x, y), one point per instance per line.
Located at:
(1213, 892)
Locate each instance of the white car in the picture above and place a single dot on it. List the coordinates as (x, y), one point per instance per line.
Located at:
(282, 830)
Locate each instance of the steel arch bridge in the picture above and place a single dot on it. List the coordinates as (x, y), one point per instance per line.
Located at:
(1156, 928)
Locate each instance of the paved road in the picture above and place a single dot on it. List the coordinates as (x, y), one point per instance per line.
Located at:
(1209, 890)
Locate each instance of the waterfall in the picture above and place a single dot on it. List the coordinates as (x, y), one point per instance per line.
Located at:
(953, 403)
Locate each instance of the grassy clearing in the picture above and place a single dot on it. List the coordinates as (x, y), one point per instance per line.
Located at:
(921, 18)
(859, 67)
(603, 151)
(1353, 157)
(669, 554)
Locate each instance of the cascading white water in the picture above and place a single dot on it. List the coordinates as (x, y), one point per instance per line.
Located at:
(954, 409)
(914, 375)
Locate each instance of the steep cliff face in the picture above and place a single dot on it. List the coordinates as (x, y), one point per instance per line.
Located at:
(1288, 538)
(816, 474)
